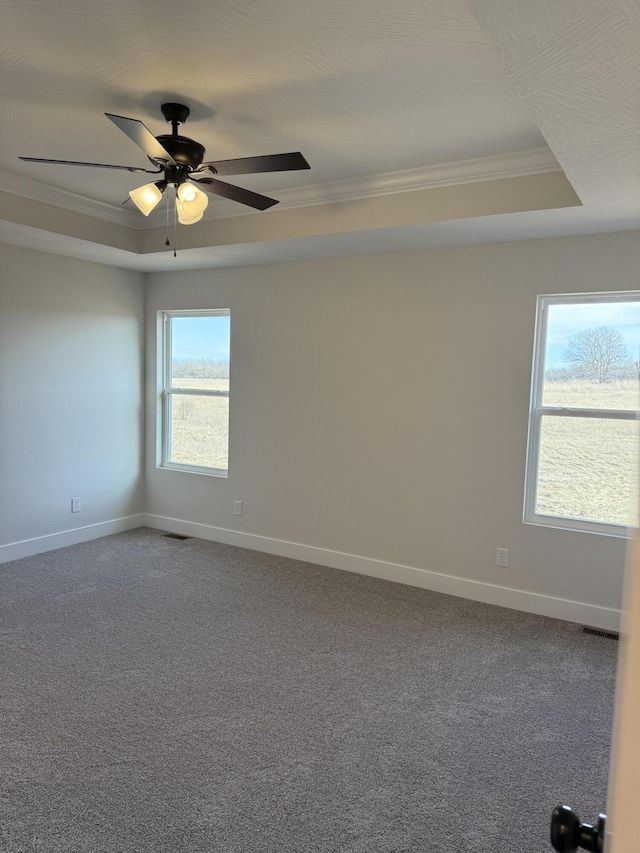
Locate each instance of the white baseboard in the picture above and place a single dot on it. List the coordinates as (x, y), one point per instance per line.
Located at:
(530, 602)
(515, 599)
(40, 544)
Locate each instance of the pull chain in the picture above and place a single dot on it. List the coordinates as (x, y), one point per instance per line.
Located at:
(175, 228)
(167, 243)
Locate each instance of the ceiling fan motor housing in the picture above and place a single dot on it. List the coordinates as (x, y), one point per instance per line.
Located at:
(185, 151)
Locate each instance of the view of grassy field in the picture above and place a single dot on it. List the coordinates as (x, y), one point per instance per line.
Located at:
(589, 466)
(618, 394)
(200, 425)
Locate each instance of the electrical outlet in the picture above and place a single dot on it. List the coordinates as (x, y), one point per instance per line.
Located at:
(237, 507)
(75, 504)
(502, 557)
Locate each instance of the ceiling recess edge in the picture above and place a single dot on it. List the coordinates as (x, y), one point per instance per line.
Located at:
(529, 162)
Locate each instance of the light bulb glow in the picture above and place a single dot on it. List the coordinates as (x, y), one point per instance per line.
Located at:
(192, 199)
(186, 192)
(146, 198)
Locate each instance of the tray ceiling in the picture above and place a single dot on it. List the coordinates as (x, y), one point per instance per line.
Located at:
(367, 90)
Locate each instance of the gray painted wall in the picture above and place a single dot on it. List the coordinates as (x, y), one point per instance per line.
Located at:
(71, 373)
(378, 404)
(379, 408)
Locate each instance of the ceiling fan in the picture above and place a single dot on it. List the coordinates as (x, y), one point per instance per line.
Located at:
(181, 159)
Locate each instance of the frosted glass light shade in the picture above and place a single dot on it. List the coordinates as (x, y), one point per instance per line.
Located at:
(185, 218)
(186, 192)
(192, 198)
(146, 198)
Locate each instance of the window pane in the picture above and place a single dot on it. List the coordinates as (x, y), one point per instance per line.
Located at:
(199, 430)
(588, 469)
(200, 352)
(592, 355)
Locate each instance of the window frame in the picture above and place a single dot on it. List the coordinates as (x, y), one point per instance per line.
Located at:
(166, 391)
(537, 411)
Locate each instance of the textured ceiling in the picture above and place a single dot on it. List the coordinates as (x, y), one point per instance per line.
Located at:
(576, 65)
(361, 87)
(366, 89)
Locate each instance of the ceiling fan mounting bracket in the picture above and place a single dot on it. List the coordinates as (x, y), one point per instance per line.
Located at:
(175, 114)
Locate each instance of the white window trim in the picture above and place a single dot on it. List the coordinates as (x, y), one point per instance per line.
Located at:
(166, 393)
(537, 411)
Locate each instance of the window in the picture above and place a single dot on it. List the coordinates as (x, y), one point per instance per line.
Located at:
(195, 391)
(584, 433)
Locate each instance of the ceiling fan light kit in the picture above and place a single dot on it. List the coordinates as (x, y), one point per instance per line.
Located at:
(182, 159)
(192, 198)
(147, 197)
(185, 218)
(186, 192)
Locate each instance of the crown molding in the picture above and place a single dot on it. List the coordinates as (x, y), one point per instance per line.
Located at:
(532, 161)
(515, 164)
(27, 187)
(529, 162)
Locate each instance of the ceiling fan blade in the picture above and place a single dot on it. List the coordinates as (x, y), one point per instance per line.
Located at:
(77, 163)
(143, 138)
(253, 165)
(260, 202)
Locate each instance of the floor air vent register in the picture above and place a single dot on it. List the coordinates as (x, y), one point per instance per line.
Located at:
(608, 635)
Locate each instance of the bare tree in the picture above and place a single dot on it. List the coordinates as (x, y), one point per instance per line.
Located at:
(183, 407)
(597, 353)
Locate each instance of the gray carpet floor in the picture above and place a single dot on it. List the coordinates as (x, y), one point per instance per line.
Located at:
(171, 696)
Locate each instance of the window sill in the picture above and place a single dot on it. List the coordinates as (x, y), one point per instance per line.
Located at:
(575, 525)
(194, 469)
